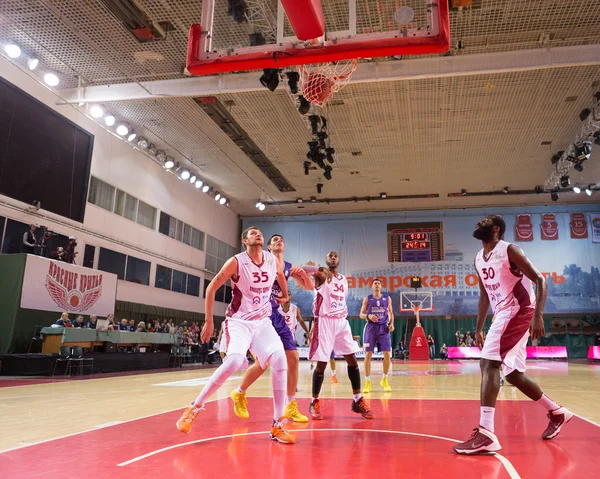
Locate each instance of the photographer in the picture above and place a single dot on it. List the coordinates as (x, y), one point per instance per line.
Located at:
(29, 240)
(45, 247)
(70, 252)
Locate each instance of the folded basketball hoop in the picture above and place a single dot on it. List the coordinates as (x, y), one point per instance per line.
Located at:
(320, 80)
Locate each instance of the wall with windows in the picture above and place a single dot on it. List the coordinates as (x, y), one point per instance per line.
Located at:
(132, 195)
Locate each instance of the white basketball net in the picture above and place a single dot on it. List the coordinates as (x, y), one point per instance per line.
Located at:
(321, 80)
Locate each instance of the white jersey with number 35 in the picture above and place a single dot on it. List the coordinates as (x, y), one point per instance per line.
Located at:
(509, 290)
(330, 299)
(251, 292)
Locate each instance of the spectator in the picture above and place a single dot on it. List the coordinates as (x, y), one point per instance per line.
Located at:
(64, 321)
(58, 254)
(92, 322)
(164, 326)
(123, 325)
(444, 352)
(131, 325)
(400, 350)
(180, 336)
(431, 344)
(172, 328)
(468, 339)
(141, 327)
(29, 240)
(79, 322)
(111, 322)
(458, 334)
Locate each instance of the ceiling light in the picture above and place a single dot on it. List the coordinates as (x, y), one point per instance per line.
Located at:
(97, 111)
(588, 190)
(270, 78)
(185, 174)
(109, 119)
(223, 200)
(583, 150)
(152, 149)
(299, 200)
(81, 103)
(554, 196)
(330, 152)
(228, 202)
(539, 189)
(217, 196)
(258, 204)
(143, 143)
(579, 167)
(304, 107)
(13, 51)
(169, 163)
(319, 188)
(123, 129)
(293, 79)
(576, 189)
(33, 63)
(327, 174)
(463, 192)
(51, 79)
(505, 190)
(584, 114)
(313, 199)
(198, 184)
(161, 155)
(205, 189)
(565, 181)
(556, 157)
(132, 136)
(262, 207)
(193, 179)
(383, 196)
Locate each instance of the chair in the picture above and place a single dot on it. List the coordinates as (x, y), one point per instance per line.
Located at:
(175, 356)
(78, 356)
(63, 357)
(37, 336)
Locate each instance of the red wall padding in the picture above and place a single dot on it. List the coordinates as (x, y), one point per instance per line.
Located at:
(306, 18)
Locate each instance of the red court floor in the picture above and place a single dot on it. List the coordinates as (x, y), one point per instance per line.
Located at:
(409, 438)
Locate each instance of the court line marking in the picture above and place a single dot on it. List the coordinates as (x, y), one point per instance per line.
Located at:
(510, 469)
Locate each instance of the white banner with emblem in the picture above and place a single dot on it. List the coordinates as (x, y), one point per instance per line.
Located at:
(50, 285)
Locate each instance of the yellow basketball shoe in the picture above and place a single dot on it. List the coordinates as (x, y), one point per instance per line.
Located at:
(385, 384)
(240, 404)
(291, 411)
(367, 388)
(188, 417)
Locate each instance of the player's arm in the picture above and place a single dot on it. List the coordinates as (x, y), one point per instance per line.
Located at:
(363, 309)
(482, 311)
(229, 269)
(309, 337)
(518, 258)
(301, 321)
(301, 277)
(282, 281)
(390, 315)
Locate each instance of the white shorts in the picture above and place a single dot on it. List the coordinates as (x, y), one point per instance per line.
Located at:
(331, 335)
(257, 336)
(222, 346)
(506, 341)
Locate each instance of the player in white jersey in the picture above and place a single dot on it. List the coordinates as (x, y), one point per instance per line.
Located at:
(505, 283)
(292, 316)
(247, 326)
(331, 331)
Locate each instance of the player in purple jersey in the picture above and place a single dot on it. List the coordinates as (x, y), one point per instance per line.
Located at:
(377, 310)
(276, 245)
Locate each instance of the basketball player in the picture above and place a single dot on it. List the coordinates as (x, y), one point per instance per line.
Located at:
(276, 245)
(291, 315)
(377, 310)
(505, 282)
(331, 331)
(247, 326)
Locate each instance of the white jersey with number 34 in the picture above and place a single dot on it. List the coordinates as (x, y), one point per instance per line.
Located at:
(330, 299)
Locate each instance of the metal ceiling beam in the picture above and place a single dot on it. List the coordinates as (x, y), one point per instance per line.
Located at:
(397, 70)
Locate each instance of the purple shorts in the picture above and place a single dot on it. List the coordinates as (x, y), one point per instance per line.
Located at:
(376, 334)
(287, 338)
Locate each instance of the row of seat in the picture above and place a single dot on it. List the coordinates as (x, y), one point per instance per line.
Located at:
(73, 355)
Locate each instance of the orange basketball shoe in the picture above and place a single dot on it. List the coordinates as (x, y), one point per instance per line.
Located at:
(187, 418)
(280, 434)
(314, 410)
(361, 407)
(334, 379)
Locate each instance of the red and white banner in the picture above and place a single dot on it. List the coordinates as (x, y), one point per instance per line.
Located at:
(549, 227)
(524, 228)
(579, 226)
(50, 285)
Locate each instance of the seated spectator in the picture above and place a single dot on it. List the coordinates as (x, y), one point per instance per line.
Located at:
(92, 322)
(79, 323)
(64, 321)
(111, 323)
(123, 326)
(131, 325)
(172, 328)
(444, 351)
(468, 339)
(141, 327)
(180, 336)
(400, 351)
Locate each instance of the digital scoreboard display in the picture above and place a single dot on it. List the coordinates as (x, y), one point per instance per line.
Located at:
(415, 242)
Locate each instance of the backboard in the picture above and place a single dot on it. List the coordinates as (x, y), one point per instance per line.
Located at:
(408, 300)
(347, 29)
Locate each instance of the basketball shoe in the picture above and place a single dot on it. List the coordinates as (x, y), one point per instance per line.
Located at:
(240, 404)
(361, 407)
(367, 388)
(481, 441)
(291, 411)
(280, 434)
(558, 418)
(385, 384)
(314, 410)
(184, 424)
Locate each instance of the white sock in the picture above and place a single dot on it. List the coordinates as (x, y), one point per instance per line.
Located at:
(289, 399)
(547, 403)
(333, 372)
(486, 417)
(385, 375)
(278, 403)
(367, 378)
(357, 396)
(240, 390)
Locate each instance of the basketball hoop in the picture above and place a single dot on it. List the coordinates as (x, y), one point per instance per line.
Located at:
(320, 80)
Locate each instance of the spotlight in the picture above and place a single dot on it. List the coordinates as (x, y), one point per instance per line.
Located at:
(237, 10)
(293, 79)
(322, 135)
(51, 79)
(314, 123)
(579, 167)
(228, 202)
(270, 78)
(327, 173)
(258, 203)
(198, 184)
(584, 114)
(143, 143)
(205, 189)
(597, 138)
(505, 190)
(33, 63)
(554, 196)
(576, 189)
(169, 163)
(588, 190)
(132, 136)
(319, 188)
(185, 174)
(314, 149)
(193, 179)
(217, 196)
(152, 149)
(262, 207)
(383, 196)
(463, 192)
(313, 199)
(299, 200)
(257, 39)
(539, 189)
(306, 167)
(109, 119)
(556, 157)
(223, 200)
(12, 50)
(330, 152)
(583, 150)
(123, 129)
(304, 107)
(161, 155)
(97, 111)
(565, 181)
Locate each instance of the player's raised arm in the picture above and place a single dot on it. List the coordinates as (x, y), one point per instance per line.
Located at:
(282, 281)
(301, 276)
(229, 269)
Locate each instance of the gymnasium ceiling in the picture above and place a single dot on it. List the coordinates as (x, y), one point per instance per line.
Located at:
(437, 135)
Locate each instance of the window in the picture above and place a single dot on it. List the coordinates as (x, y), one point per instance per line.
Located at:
(198, 239)
(217, 253)
(146, 215)
(126, 205)
(163, 277)
(228, 294)
(193, 285)
(223, 294)
(187, 234)
(179, 281)
(101, 194)
(211, 263)
(180, 231)
(138, 271)
(112, 262)
(88, 256)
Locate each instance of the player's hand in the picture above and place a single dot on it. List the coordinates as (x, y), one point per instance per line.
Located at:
(296, 270)
(479, 339)
(207, 330)
(372, 318)
(282, 299)
(391, 327)
(536, 328)
(310, 263)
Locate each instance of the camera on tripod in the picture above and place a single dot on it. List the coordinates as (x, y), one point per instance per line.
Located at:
(48, 233)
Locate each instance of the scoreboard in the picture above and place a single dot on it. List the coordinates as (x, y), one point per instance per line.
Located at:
(415, 242)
